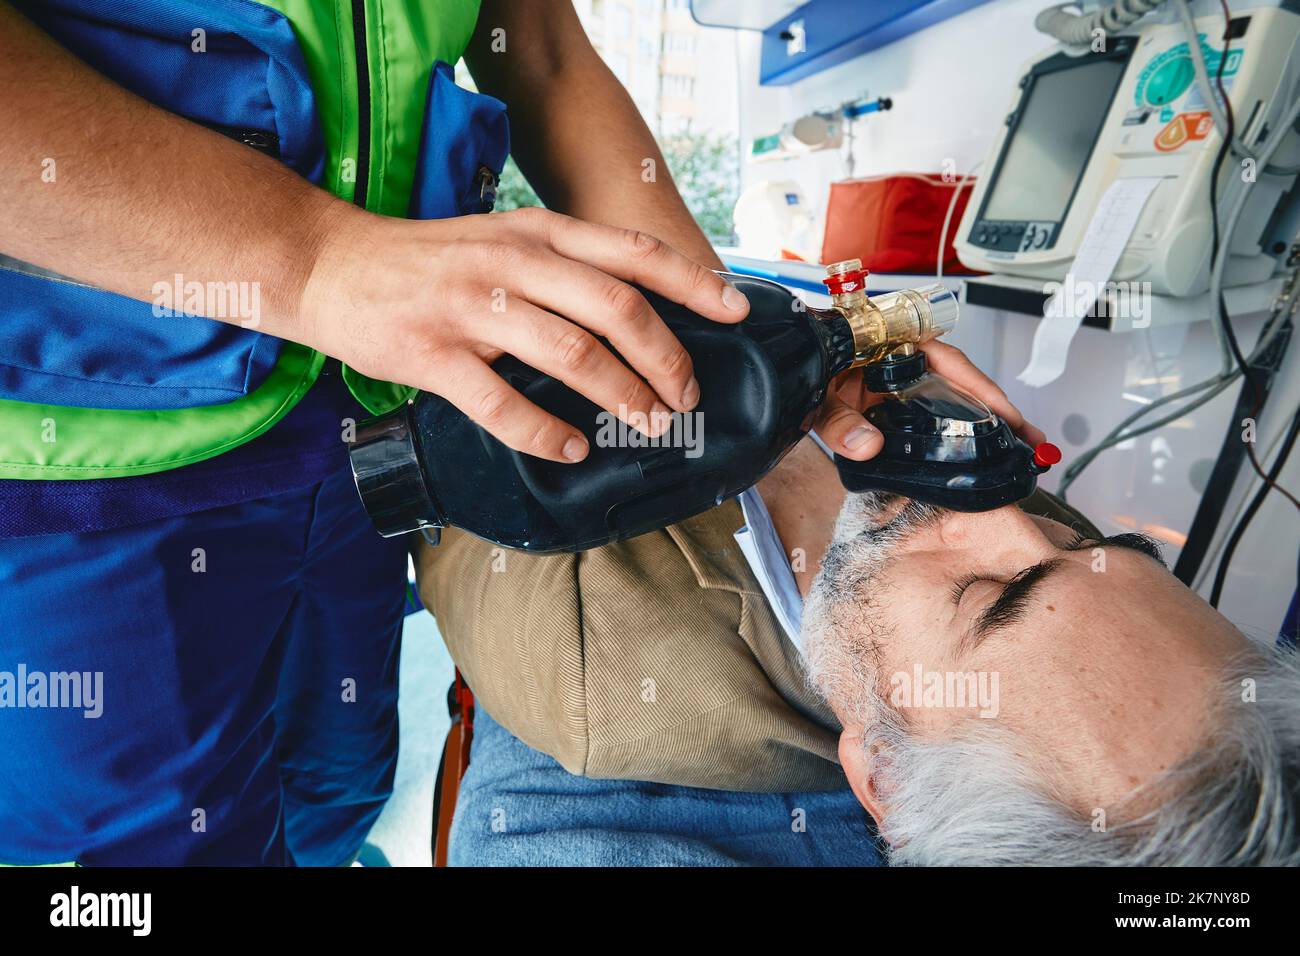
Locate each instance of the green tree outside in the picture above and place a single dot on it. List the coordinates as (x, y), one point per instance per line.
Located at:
(704, 167)
(707, 174)
(513, 191)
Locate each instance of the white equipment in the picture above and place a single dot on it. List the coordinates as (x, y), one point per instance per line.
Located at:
(807, 134)
(772, 218)
(1130, 107)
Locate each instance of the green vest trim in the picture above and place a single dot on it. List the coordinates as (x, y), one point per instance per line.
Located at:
(61, 441)
(404, 38)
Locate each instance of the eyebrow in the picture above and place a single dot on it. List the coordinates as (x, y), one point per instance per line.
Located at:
(1130, 541)
(1010, 605)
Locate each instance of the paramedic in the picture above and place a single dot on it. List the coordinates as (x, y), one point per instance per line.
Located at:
(208, 274)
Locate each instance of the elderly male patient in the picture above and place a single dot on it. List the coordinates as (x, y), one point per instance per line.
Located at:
(1003, 688)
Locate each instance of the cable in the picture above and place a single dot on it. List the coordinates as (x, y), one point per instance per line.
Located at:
(1220, 262)
(952, 204)
(1220, 251)
(1239, 530)
(1206, 568)
(1079, 29)
(1218, 254)
(1213, 103)
(1085, 459)
(1209, 389)
(1229, 369)
(1227, 518)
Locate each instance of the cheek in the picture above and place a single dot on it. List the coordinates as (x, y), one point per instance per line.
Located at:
(918, 626)
(1068, 672)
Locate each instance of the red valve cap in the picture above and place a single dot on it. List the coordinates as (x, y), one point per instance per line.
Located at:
(1046, 455)
(850, 281)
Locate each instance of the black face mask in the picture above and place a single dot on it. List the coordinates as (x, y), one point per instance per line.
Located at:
(428, 466)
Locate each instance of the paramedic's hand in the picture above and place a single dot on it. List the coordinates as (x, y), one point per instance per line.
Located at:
(433, 303)
(840, 423)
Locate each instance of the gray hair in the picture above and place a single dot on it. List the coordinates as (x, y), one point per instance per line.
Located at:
(969, 799)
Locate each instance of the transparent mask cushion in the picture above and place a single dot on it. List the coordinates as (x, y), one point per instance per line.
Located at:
(934, 406)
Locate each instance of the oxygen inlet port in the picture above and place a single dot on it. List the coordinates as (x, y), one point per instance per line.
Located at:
(845, 277)
(891, 324)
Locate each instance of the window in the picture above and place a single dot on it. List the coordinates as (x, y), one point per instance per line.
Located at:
(674, 125)
(621, 22)
(676, 85)
(677, 42)
(618, 62)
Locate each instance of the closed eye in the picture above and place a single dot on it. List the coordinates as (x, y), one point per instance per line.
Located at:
(961, 584)
(1010, 604)
(1007, 607)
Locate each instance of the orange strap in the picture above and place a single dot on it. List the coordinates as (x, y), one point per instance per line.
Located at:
(455, 761)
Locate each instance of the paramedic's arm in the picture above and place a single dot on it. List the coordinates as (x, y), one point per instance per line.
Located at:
(580, 140)
(137, 195)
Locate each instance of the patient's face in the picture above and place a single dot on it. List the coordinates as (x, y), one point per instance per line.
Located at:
(1091, 653)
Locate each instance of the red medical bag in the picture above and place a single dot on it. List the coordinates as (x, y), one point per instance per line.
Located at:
(892, 223)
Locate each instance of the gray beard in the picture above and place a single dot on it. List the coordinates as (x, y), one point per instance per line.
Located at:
(843, 624)
(876, 522)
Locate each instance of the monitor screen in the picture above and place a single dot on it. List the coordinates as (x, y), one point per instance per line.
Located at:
(1060, 117)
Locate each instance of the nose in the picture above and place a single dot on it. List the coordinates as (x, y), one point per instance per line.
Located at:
(1000, 531)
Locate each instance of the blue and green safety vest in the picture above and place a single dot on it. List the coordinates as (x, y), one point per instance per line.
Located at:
(355, 95)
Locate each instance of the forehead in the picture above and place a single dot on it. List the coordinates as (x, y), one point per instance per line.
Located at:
(1099, 605)
(1112, 600)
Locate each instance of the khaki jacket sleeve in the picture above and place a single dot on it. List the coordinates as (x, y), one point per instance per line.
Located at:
(512, 625)
(652, 659)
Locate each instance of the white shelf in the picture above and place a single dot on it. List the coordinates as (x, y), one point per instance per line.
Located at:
(1027, 296)
(798, 275)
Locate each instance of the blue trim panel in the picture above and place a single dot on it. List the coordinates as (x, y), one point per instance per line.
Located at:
(839, 30)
